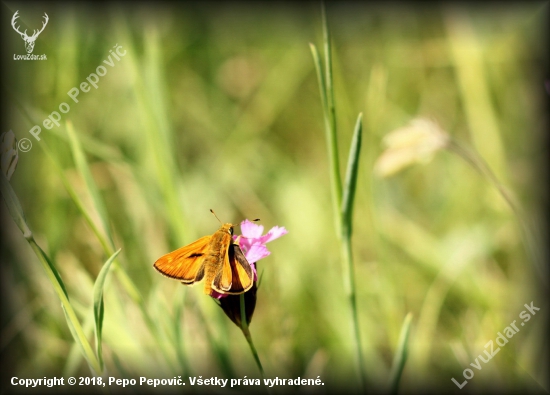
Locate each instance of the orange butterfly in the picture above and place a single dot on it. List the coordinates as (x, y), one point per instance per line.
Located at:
(216, 258)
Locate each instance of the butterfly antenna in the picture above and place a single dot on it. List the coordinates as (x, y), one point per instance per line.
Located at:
(212, 211)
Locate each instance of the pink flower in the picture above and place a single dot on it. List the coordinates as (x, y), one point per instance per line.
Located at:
(253, 245)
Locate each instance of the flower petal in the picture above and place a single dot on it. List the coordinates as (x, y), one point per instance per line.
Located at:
(250, 229)
(217, 295)
(255, 272)
(244, 242)
(274, 233)
(256, 252)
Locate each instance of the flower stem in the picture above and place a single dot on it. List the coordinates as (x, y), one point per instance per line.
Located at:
(248, 336)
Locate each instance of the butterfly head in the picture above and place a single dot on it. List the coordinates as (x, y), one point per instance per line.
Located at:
(228, 228)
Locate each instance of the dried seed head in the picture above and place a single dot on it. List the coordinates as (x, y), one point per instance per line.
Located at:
(414, 143)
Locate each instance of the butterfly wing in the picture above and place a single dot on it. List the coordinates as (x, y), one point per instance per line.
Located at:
(235, 276)
(186, 263)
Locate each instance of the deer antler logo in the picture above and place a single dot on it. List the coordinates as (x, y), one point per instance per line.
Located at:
(29, 41)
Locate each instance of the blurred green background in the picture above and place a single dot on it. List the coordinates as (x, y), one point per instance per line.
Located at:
(217, 106)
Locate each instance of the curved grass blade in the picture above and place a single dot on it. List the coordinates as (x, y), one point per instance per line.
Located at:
(321, 80)
(326, 87)
(351, 177)
(98, 305)
(400, 354)
(74, 357)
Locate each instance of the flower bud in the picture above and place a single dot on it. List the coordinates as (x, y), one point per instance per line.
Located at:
(231, 305)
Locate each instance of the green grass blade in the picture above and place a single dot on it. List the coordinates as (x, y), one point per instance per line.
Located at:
(98, 305)
(84, 170)
(331, 107)
(320, 79)
(329, 112)
(401, 353)
(351, 177)
(74, 357)
(330, 135)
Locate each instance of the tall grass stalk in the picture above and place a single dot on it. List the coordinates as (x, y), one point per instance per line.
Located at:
(342, 199)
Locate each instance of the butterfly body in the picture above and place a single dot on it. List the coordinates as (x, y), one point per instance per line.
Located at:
(216, 259)
(217, 249)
